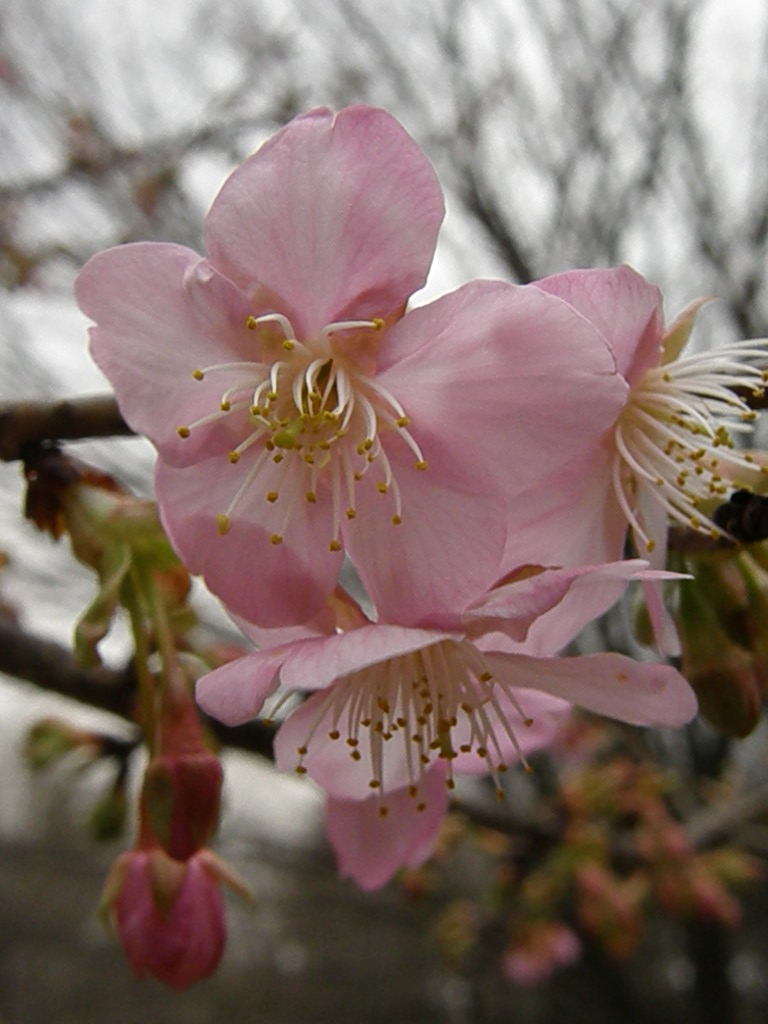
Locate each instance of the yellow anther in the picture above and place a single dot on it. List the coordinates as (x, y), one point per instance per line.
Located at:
(396, 520)
(311, 497)
(289, 344)
(198, 374)
(250, 323)
(334, 545)
(300, 769)
(377, 323)
(223, 523)
(402, 421)
(421, 464)
(350, 513)
(233, 457)
(275, 539)
(182, 431)
(383, 811)
(381, 487)
(271, 496)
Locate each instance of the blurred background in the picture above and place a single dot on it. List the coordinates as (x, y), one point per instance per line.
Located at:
(566, 133)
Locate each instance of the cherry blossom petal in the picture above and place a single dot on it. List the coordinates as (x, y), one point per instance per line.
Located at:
(514, 607)
(317, 663)
(572, 520)
(162, 312)
(502, 384)
(623, 306)
(556, 604)
(339, 610)
(370, 846)
(335, 217)
(273, 584)
(449, 546)
(640, 693)
(662, 621)
(234, 693)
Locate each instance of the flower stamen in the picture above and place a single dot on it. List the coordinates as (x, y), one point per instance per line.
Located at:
(307, 408)
(417, 701)
(671, 445)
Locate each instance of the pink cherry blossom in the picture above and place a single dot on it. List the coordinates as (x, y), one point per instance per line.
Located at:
(299, 414)
(669, 454)
(397, 711)
(168, 914)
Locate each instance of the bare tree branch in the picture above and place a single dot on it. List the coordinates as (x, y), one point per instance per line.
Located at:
(54, 668)
(27, 423)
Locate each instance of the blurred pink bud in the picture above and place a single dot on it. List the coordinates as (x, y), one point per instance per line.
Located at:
(168, 914)
(544, 947)
(712, 901)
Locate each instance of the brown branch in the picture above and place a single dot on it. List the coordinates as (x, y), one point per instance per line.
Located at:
(27, 423)
(54, 668)
(728, 819)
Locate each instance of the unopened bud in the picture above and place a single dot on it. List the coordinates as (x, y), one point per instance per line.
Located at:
(168, 914)
(51, 739)
(719, 670)
(180, 801)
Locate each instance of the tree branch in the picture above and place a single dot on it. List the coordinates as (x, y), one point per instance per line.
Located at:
(27, 423)
(54, 668)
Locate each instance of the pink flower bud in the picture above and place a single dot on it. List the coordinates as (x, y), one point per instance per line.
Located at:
(168, 915)
(540, 950)
(180, 801)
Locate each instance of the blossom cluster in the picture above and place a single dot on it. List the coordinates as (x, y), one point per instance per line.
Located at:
(411, 510)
